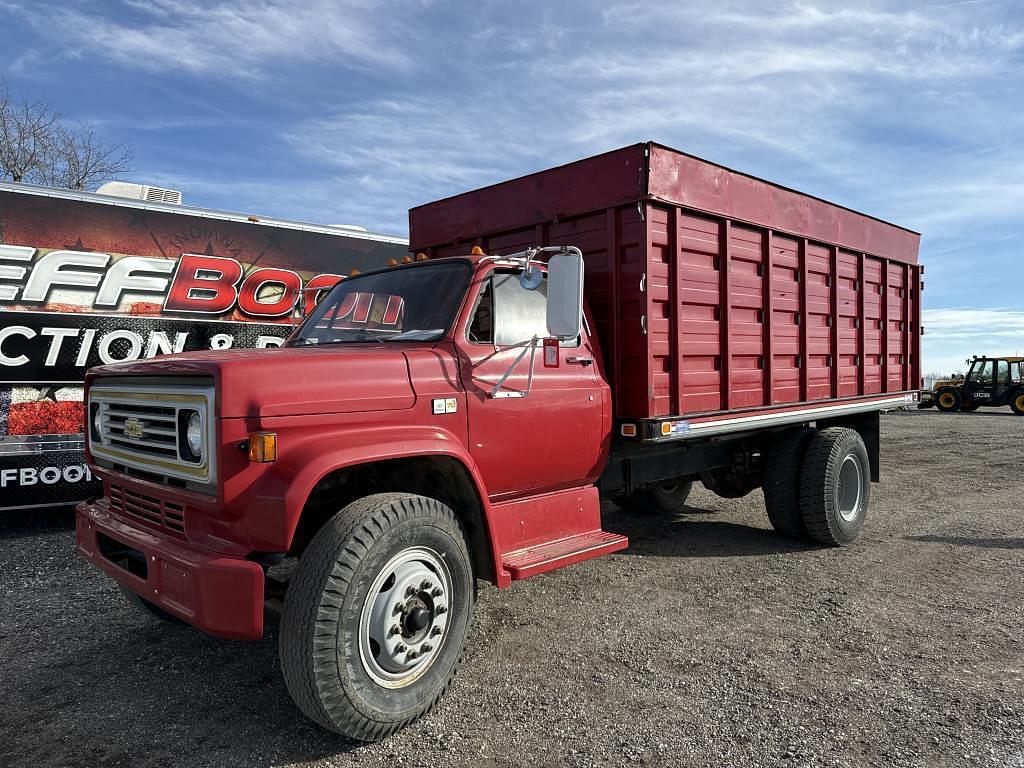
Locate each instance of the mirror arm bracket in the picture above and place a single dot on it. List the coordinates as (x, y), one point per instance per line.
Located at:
(497, 392)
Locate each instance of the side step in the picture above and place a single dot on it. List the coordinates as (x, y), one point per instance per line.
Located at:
(530, 561)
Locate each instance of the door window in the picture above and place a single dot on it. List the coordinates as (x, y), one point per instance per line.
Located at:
(1002, 374)
(507, 314)
(981, 374)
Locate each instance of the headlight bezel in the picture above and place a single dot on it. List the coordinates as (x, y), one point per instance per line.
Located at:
(191, 429)
(95, 424)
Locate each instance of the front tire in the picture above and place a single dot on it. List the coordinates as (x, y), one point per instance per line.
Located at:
(376, 618)
(835, 486)
(947, 400)
(150, 610)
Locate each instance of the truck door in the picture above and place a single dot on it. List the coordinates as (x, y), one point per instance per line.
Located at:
(551, 437)
(1002, 381)
(978, 385)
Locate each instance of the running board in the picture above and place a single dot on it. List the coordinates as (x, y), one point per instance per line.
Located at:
(540, 558)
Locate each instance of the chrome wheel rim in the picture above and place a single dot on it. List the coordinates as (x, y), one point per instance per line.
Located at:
(849, 488)
(404, 621)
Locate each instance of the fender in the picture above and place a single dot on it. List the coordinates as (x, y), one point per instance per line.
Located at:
(307, 458)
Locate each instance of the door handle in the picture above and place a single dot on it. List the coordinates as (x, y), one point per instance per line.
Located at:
(584, 361)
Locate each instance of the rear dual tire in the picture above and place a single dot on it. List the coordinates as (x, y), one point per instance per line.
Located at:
(818, 484)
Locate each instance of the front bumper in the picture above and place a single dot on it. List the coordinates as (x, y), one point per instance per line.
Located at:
(218, 594)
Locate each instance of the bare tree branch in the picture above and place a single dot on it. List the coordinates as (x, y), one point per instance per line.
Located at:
(27, 131)
(36, 146)
(79, 158)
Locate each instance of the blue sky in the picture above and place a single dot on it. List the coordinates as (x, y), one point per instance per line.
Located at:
(351, 112)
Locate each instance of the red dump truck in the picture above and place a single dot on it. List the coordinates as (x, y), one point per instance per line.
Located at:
(617, 328)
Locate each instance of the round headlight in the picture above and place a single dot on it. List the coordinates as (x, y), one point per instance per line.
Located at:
(194, 435)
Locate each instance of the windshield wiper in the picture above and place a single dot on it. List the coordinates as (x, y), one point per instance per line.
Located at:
(419, 334)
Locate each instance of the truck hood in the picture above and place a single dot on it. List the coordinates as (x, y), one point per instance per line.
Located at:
(289, 381)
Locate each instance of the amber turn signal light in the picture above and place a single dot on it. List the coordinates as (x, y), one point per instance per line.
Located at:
(477, 251)
(421, 256)
(262, 447)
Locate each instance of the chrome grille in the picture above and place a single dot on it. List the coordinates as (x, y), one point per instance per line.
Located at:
(157, 428)
(166, 514)
(139, 428)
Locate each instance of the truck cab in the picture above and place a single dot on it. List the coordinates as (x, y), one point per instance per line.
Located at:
(455, 403)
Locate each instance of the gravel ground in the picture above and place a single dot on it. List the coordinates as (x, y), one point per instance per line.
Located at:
(710, 642)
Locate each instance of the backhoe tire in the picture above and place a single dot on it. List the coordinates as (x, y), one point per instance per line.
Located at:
(835, 486)
(781, 485)
(1017, 403)
(665, 499)
(947, 400)
(377, 614)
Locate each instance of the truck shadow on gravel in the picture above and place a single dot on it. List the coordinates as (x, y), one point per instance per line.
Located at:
(193, 700)
(27, 523)
(692, 534)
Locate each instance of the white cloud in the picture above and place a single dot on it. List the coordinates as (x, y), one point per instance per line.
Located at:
(955, 334)
(231, 39)
(910, 113)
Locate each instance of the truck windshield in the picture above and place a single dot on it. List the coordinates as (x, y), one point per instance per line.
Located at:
(415, 303)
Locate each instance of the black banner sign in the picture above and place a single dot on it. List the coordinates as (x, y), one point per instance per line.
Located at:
(45, 479)
(56, 348)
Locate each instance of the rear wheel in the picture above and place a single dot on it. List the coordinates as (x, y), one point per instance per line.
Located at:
(1017, 403)
(728, 485)
(662, 499)
(947, 400)
(835, 485)
(782, 482)
(376, 617)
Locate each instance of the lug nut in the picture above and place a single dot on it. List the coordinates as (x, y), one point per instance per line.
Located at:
(440, 609)
(400, 648)
(437, 592)
(399, 607)
(425, 585)
(435, 632)
(410, 591)
(395, 629)
(426, 648)
(411, 655)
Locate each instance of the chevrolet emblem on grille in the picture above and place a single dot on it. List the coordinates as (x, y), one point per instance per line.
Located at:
(133, 428)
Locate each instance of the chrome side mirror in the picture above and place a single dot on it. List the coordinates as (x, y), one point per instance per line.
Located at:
(565, 294)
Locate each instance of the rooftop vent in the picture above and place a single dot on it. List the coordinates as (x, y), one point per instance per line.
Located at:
(140, 192)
